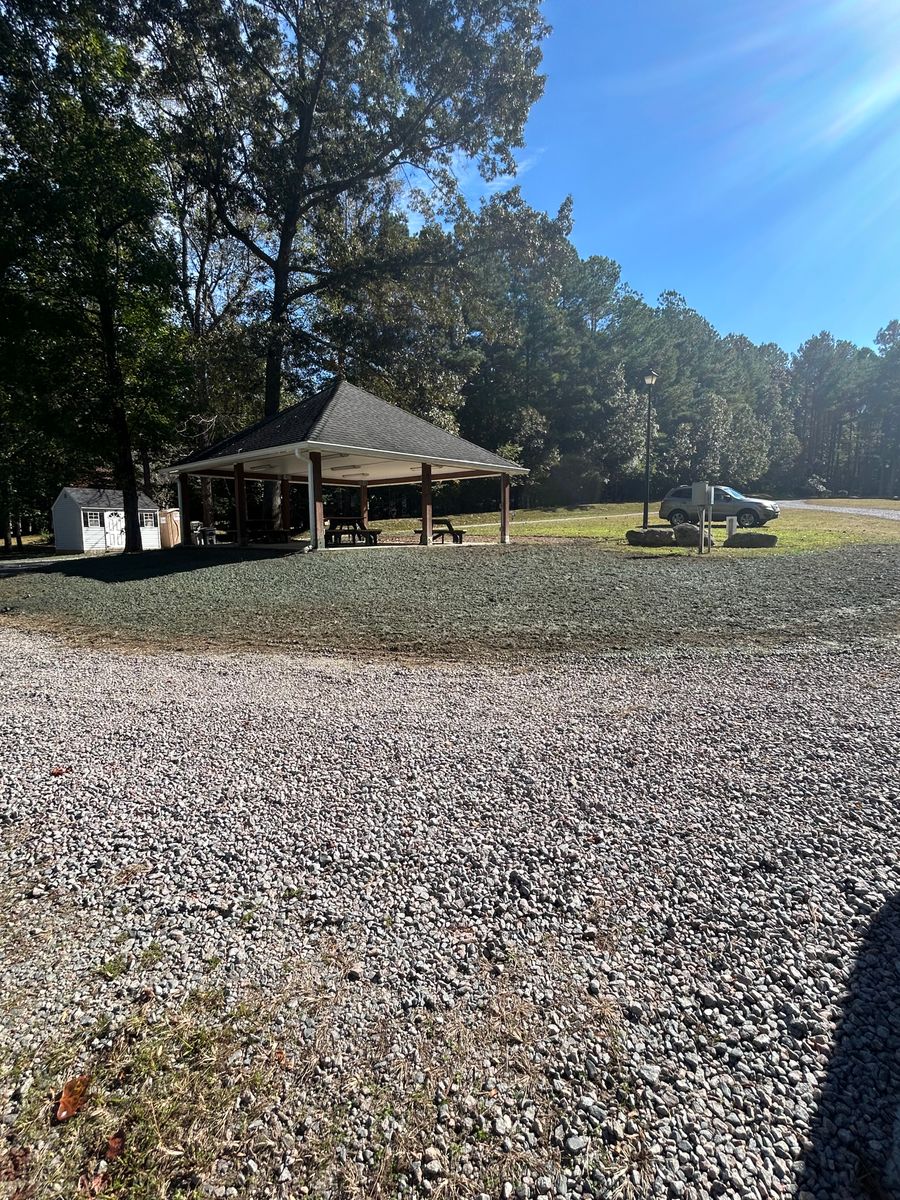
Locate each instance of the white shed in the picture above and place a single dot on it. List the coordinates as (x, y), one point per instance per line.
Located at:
(92, 520)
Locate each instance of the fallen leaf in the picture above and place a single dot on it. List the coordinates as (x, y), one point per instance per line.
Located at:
(286, 1064)
(59, 770)
(73, 1097)
(115, 1146)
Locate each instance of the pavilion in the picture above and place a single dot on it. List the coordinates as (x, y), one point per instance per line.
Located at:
(342, 436)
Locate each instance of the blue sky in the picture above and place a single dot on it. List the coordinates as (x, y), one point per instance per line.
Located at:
(745, 153)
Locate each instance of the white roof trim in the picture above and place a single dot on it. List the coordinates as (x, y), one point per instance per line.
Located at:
(298, 449)
(488, 468)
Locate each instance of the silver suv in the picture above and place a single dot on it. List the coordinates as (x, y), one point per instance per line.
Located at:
(676, 507)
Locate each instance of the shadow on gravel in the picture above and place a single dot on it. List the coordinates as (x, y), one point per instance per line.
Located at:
(856, 1131)
(125, 568)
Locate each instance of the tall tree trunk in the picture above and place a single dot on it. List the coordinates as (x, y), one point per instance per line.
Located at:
(274, 353)
(277, 316)
(144, 452)
(275, 358)
(5, 521)
(123, 448)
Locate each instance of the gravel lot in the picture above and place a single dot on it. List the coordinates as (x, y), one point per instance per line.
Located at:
(609, 927)
(485, 602)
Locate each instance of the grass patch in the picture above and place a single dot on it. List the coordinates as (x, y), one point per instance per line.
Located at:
(799, 530)
(439, 1083)
(484, 525)
(165, 1106)
(152, 955)
(113, 968)
(181, 1101)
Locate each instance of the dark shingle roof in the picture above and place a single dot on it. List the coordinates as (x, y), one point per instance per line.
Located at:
(344, 415)
(104, 498)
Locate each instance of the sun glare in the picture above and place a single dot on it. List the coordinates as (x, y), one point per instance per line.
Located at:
(873, 85)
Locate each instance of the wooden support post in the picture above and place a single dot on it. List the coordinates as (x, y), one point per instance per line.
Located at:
(240, 504)
(425, 536)
(504, 510)
(184, 508)
(364, 503)
(285, 505)
(316, 508)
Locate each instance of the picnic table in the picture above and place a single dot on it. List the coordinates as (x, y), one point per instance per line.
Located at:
(441, 527)
(352, 530)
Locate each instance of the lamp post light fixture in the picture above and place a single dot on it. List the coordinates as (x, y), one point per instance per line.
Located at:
(650, 377)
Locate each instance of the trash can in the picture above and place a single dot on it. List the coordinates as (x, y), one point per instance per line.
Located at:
(731, 526)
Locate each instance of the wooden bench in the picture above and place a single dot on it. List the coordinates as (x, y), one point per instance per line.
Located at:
(456, 534)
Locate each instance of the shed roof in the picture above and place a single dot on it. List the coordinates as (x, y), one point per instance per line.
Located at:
(344, 417)
(103, 498)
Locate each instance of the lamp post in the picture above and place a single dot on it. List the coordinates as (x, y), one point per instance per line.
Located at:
(650, 378)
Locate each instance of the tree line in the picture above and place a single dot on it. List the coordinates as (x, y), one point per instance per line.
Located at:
(207, 207)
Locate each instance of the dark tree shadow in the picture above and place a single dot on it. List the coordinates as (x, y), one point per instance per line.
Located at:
(125, 568)
(856, 1130)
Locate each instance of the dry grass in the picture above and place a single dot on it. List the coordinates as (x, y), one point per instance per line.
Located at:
(443, 1084)
(197, 1092)
(179, 1087)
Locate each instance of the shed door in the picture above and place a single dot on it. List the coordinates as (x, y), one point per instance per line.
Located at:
(115, 530)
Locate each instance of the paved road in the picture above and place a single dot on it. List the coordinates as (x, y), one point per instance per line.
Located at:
(890, 514)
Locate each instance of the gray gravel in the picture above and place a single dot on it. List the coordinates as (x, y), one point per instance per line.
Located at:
(629, 895)
(490, 602)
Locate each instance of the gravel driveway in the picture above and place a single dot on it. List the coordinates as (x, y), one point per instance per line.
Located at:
(597, 929)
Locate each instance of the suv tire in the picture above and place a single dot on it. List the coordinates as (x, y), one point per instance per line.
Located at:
(678, 517)
(747, 518)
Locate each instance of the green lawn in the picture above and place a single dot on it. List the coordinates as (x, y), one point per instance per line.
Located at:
(798, 530)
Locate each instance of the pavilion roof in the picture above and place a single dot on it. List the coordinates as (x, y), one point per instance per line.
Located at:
(344, 417)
